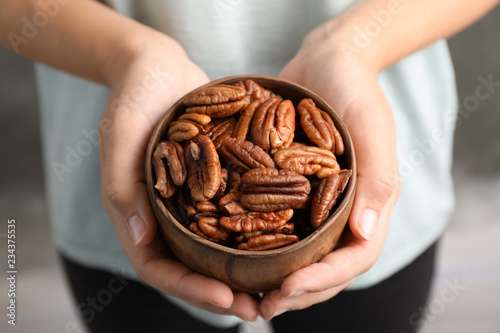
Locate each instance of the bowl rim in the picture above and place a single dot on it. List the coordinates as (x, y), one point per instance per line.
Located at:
(155, 199)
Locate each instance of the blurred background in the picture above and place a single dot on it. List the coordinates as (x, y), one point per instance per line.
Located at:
(466, 289)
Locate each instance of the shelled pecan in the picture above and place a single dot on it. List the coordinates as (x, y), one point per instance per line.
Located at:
(307, 161)
(173, 153)
(267, 190)
(254, 221)
(319, 127)
(219, 129)
(230, 204)
(273, 124)
(243, 156)
(218, 101)
(286, 229)
(234, 182)
(195, 227)
(203, 168)
(244, 122)
(211, 227)
(223, 184)
(326, 196)
(268, 242)
(187, 126)
(256, 92)
(207, 207)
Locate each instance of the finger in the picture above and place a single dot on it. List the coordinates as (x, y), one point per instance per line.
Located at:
(274, 303)
(157, 266)
(337, 268)
(354, 257)
(244, 306)
(175, 279)
(128, 205)
(371, 125)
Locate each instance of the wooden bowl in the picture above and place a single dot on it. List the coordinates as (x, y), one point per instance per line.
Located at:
(252, 271)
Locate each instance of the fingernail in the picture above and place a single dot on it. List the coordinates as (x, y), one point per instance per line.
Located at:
(296, 293)
(248, 318)
(367, 224)
(279, 312)
(221, 305)
(137, 228)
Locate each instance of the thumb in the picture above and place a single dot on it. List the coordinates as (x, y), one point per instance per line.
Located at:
(123, 184)
(129, 208)
(378, 184)
(377, 190)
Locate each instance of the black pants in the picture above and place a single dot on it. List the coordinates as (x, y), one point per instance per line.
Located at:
(109, 303)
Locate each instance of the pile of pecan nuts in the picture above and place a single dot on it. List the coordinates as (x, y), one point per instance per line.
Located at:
(239, 171)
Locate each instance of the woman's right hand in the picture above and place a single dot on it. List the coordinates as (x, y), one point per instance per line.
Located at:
(141, 92)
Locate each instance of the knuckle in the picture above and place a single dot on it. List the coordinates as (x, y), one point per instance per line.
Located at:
(387, 185)
(141, 276)
(369, 262)
(113, 196)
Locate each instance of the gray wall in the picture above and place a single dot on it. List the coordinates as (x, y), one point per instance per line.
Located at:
(468, 253)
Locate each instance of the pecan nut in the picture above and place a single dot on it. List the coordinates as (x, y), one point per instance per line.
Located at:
(211, 227)
(245, 236)
(223, 184)
(273, 124)
(173, 153)
(234, 182)
(198, 118)
(307, 161)
(222, 236)
(267, 190)
(194, 227)
(243, 156)
(287, 229)
(319, 127)
(219, 129)
(207, 207)
(326, 196)
(254, 221)
(203, 168)
(234, 208)
(217, 101)
(244, 121)
(187, 126)
(230, 204)
(183, 130)
(268, 242)
(256, 91)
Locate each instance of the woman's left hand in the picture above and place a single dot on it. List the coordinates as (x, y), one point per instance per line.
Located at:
(351, 88)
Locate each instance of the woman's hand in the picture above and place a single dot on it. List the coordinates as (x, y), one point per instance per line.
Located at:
(141, 94)
(352, 89)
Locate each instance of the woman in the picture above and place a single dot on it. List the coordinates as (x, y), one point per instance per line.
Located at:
(381, 64)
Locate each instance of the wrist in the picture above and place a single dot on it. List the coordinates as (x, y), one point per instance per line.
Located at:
(143, 44)
(355, 46)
